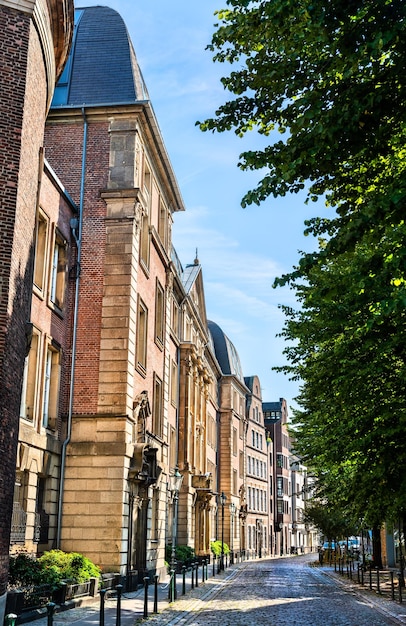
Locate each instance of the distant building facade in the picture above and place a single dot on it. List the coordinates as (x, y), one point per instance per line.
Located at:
(257, 473)
(232, 517)
(276, 424)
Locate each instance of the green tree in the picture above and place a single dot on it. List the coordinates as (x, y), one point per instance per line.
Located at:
(329, 78)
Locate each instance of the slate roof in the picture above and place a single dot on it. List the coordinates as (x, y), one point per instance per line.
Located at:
(102, 67)
(272, 406)
(249, 381)
(189, 275)
(225, 351)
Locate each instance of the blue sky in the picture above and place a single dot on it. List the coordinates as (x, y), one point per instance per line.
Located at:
(241, 250)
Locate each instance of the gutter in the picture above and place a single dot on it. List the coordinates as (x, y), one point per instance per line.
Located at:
(76, 225)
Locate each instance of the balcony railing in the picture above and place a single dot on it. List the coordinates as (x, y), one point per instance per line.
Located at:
(18, 524)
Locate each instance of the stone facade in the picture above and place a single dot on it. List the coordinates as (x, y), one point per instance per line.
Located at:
(122, 340)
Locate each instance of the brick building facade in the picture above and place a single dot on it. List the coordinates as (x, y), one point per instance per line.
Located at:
(35, 40)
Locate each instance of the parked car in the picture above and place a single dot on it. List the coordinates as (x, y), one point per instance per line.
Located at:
(352, 544)
(329, 545)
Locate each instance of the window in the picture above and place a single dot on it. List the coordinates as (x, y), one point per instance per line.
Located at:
(19, 517)
(188, 329)
(279, 486)
(162, 223)
(58, 271)
(174, 383)
(234, 441)
(41, 244)
(175, 317)
(235, 482)
(154, 514)
(144, 240)
(159, 314)
(51, 388)
(241, 464)
(172, 448)
(141, 342)
(157, 417)
(279, 460)
(30, 380)
(147, 180)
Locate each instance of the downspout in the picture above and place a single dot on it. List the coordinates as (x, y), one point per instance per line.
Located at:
(77, 233)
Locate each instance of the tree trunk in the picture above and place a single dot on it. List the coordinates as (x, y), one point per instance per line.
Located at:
(376, 547)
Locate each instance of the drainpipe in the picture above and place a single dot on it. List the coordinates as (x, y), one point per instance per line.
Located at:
(76, 226)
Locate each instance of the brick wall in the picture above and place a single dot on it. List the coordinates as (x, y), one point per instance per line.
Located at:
(22, 118)
(63, 149)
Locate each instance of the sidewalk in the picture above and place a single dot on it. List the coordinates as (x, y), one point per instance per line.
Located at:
(383, 605)
(133, 603)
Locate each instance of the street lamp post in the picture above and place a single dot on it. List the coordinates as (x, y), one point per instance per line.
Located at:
(223, 499)
(175, 483)
(233, 509)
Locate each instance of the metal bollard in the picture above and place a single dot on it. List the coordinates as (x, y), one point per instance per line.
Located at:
(370, 577)
(10, 619)
(156, 578)
(102, 600)
(392, 586)
(175, 588)
(183, 580)
(171, 592)
(197, 575)
(203, 564)
(192, 571)
(50, 613)
(214, 564)
(119, 589)
(146, 581)
(378, 585)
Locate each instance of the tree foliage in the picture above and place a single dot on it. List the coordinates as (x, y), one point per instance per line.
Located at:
(326, 82)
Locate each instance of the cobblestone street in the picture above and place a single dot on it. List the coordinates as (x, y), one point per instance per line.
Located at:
(284, 592)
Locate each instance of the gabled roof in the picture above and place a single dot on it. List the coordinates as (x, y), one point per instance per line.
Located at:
(192, 281)
(102, 67)
(225, 351)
